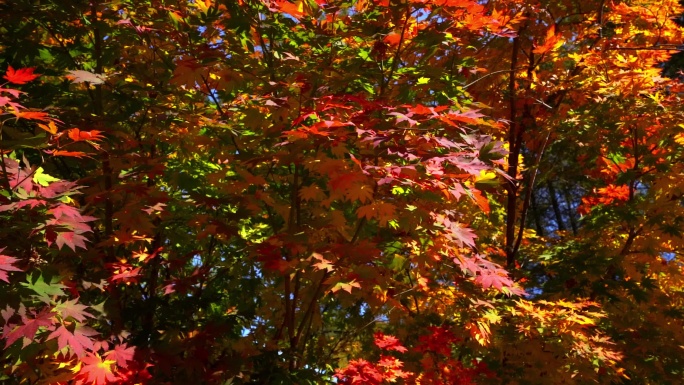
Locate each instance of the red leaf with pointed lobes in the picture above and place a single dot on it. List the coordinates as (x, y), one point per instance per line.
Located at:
(58, 188)
(345, 181)
(439, 341)
(489, 279)
(404, 118)
(74, 225)
(359, 372)
(455, 231)
(388, 342)
(73, 309)
(17, 205)
(6, 264)
(5, 101)
(96, 371)
(124, 272)
(20, 76)
(79, 341)
(63, 210)
(121, 354)
(391, 368)
(71, 239)
(29, 327)
(13, 92)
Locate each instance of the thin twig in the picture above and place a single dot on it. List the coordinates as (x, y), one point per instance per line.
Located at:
(493, 73)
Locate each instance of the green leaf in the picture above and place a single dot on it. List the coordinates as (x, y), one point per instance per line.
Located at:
(42, 178)
(397, 263)
(43, 289)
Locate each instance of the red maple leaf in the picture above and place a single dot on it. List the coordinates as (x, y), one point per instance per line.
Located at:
(359, 372)
(17, 205)
(64, 210)
(79, 341)
(70, 239)
(5, 101)
(95, 371)
(11, 91)
(61, 210)
(78, 226)
(30, 327)
(20, 76)
(124, 272)
(73, 309)
(388, 342)
(57, 188)
(6, 265)
(461, 235)
(488, 279)
(121, 354)
(439, 341)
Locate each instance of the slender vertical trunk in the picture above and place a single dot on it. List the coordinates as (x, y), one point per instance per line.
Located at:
(535, 213)
(513, 134)
(556, 206)
(571, 214)
(98, 108)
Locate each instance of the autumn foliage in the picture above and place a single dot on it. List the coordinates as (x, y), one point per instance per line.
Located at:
(343, 191)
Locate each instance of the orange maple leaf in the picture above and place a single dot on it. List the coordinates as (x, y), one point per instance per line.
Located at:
(360, 192)
(381, 211)
(294, 10)
(312, 192)
(392, 39)
(551, 42)
(51, 127)
(323, 263)
(78, 136)
(32, 115)
(74, 154)
(20, 76)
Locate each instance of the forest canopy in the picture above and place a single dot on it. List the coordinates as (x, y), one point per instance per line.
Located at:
(341, 191)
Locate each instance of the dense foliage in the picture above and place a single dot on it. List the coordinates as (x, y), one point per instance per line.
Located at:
(343, 191)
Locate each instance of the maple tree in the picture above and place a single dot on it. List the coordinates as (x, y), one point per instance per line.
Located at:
(292, 192)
